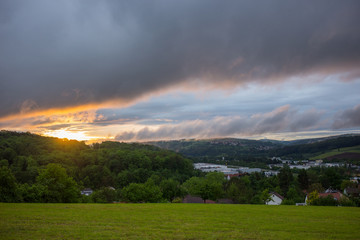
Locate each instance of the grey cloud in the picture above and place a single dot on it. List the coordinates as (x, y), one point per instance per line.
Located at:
(68, 53)
(56, 127)
(348, 118)
(281, 119)
(306, 120)
(125, 136)
(273, 121)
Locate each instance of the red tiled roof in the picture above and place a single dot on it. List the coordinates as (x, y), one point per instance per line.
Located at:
(336, 195)
(232, 175)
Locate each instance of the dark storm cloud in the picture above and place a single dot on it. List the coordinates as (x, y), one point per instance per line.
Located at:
(348, 118)
(282, 119)
(68, 53)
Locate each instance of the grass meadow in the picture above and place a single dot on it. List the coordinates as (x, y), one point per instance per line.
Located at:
(176, 221)
(355, 149)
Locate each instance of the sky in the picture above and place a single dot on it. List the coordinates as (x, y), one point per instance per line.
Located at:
(162, 70)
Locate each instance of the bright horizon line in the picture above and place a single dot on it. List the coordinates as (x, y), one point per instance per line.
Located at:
(82, 137)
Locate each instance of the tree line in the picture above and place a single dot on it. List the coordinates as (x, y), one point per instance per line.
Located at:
(43, 169)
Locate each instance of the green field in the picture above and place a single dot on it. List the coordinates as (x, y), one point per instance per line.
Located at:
(355, 149)
(176, 221)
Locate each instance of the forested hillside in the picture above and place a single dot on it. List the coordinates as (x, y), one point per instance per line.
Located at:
(256, 152)
(317, 147)
(245, 152)
(35, 160)
(43, 169)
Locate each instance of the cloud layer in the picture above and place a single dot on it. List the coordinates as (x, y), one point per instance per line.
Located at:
(348, 118)
(57, 54)
(282, 119)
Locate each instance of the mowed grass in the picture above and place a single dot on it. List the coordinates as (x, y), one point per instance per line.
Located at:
(355, 149)
(176, 221)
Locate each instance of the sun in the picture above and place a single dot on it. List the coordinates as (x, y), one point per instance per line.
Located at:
(69, 134)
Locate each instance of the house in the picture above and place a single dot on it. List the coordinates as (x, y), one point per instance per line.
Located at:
(228, 176)
(336, 195)
(86, 191)
(352, 192)
(329, 192)
(271, 173)
(276, 199)
(355, 179)
(249, 170)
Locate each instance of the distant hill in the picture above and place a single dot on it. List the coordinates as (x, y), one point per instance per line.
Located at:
(312, 147)
(245, 151)
(218, 148)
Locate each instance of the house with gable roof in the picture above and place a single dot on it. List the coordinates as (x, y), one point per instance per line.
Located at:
(276, 199)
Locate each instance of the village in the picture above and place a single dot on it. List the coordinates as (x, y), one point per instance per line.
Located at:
(274, 197)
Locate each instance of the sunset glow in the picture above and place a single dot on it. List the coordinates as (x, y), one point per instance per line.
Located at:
(243, 69)
(70, 135)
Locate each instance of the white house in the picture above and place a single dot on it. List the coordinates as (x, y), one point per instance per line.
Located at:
(276, 199)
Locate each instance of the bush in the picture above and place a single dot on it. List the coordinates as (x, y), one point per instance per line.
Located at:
(86, 199)
(104, 195)
(325, 201)
(142, 192)
(177, 200)
(31, 193)
(345, 202)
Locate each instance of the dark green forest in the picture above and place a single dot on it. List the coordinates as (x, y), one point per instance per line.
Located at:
(34, 168)
(256, 153)
(37, 164)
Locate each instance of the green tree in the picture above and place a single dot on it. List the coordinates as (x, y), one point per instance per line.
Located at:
(303, 179)
(104, 195)
(239, 189)
(292, 193)
(312, 198)
(31, 193)
(331, 178)
(346, 184)
(134, 192)
(56, 185)
(233, 192)
(4, 163)
(141, 192)
(265, 196)
(153, 192)
(171, 189)
(193, 185)
(210, 187)
(8, 186)
(285, 178)
(316, 187)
